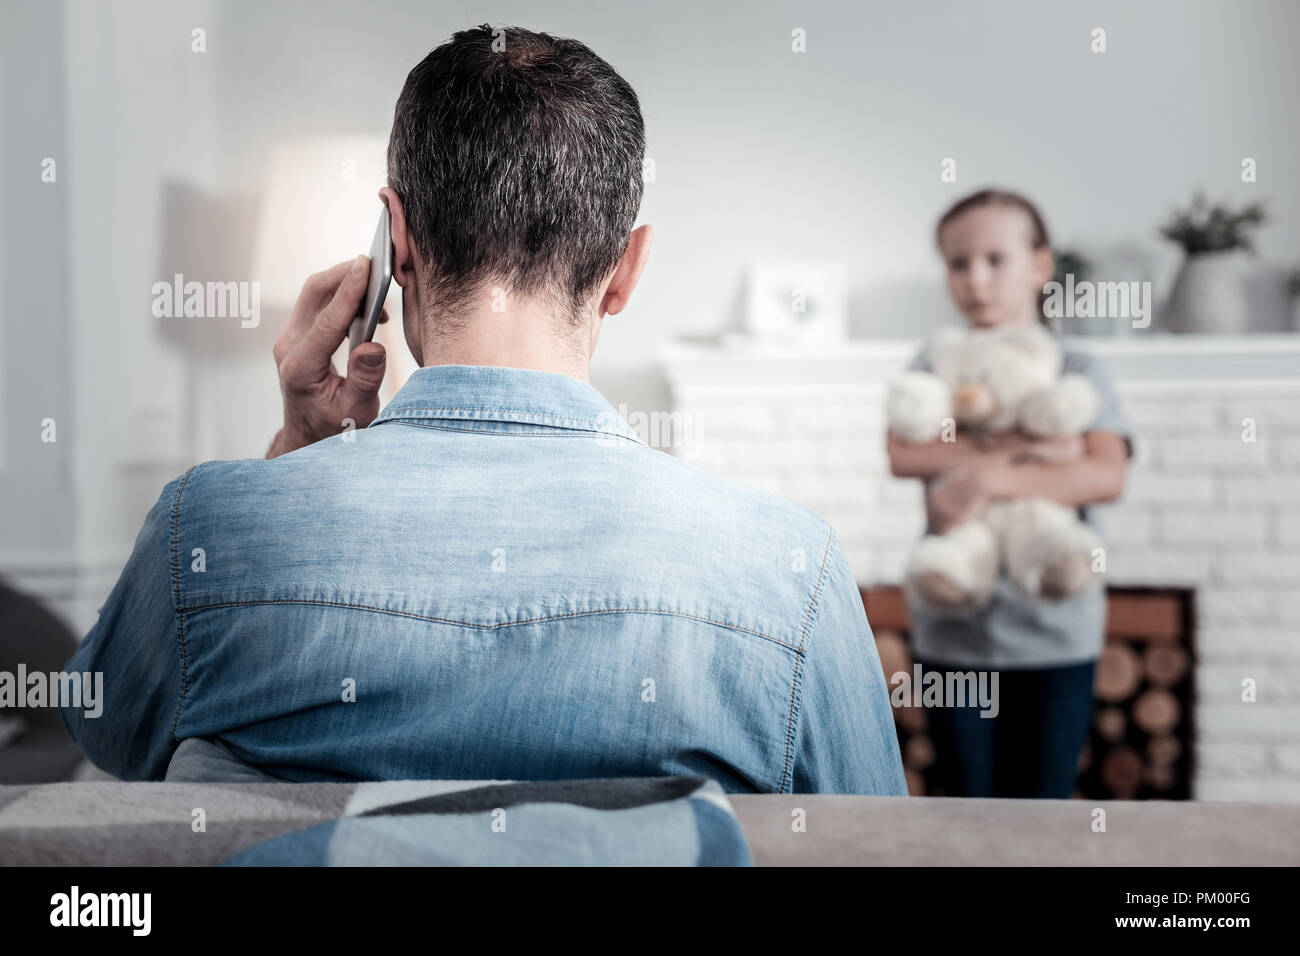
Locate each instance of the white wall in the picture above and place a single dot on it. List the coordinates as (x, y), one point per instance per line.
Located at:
(37, 527)
(764, 154)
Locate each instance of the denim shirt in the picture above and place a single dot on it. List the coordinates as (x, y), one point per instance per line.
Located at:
(497, 580)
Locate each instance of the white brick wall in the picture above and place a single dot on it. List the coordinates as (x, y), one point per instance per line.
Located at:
(1202, 509)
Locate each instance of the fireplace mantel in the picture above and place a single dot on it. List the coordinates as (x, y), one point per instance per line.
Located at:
(872, 362)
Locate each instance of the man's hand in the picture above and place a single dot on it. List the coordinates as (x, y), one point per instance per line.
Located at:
(955, 497)
(317, 401)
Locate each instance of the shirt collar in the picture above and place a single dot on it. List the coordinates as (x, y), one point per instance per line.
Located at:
(499, 394)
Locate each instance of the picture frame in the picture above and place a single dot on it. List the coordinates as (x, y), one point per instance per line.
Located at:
(796, 303)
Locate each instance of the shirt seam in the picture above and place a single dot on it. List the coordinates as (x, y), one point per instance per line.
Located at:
(798, 661)
(535, 620)
(454, 412)
(494, 410)
(572, 433)
(177, 600)
(515, 415)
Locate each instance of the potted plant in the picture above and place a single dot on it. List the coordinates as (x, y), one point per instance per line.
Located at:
(1069, 262)
(1208, 294)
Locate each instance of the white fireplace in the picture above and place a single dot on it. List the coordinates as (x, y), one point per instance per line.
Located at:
(1212, 501)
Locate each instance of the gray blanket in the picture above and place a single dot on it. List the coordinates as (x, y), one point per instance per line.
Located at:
(215, 811)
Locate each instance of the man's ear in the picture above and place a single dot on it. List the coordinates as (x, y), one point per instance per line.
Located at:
(403, 251)
(627, 272)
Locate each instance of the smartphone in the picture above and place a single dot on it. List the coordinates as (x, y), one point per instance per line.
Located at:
(381, 275)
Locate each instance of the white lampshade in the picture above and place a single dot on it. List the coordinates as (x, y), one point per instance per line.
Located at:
(320, 206)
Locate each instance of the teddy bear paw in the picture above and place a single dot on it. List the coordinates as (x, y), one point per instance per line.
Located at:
(942, 592)
(1067, 577)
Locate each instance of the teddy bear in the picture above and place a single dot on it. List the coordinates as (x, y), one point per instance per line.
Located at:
(990, 381)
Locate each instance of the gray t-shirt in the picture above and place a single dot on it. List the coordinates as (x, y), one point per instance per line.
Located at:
(1014, 631)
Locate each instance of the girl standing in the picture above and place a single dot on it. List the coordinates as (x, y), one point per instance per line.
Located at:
(998, 258)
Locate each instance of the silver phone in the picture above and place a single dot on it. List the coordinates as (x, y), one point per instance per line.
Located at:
(381, 274)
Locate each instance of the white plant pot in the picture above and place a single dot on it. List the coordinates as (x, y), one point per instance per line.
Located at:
(1209, 296)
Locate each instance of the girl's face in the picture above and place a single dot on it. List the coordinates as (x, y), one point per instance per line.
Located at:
(994, 272)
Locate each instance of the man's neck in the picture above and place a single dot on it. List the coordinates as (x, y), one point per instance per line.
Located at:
(510, 358)
(512, 340)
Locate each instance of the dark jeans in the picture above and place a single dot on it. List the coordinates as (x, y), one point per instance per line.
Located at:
(1030, 749)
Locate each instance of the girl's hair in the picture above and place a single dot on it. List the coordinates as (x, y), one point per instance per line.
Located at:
(1002, 197)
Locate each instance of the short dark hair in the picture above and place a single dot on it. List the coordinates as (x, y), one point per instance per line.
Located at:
(518, 156)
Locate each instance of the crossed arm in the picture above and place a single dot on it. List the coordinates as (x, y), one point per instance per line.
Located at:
(1072, 471)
